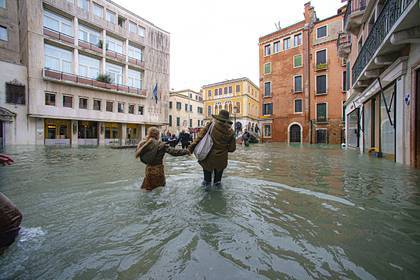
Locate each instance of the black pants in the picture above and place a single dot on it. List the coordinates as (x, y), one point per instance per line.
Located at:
(185, 144)
(217, 176)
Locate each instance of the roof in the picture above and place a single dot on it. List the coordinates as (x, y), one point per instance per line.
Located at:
(283, 30)
(185, 90)
(229, 82)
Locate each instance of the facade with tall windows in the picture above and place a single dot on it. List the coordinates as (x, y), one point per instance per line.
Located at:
(381, 48)
(239, 97)
(301, 85)
(92, 68)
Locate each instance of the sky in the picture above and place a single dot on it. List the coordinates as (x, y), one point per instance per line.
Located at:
(217, 40)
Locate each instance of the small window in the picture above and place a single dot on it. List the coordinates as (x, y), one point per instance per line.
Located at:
(297, 61)
(131, 109)
(186, 107)
(83, 4)
(68, 101)
(321, 84)
(209, 93)
(50, 99)
(170, 120)
(170, 104)
(321, 112)
(321, 32)
(96, 104)
(298, 84)
(142, 31)
(110, 106)
(238, 88)
(178, 121)
(267, 68)
(286, 43)
(321, 57)
(267, 89)
(83, 103)
(141, 110)
(178, 105)
(132, 27)
(276, 47)
(15, 94)
(267, 50)
(267, 109)
(230, 89)
(3, 33)
(297, 40)
(120, 107)
(298, 106)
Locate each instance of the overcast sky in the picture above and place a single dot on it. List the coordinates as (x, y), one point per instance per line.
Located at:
(215, 40)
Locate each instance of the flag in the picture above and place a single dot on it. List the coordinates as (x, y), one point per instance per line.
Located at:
(155, 92)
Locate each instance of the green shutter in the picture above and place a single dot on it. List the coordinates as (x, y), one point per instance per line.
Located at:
(297, 61)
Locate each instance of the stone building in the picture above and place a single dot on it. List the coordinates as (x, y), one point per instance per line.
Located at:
(301, 81)
(381, 46)
(238, 96)
(96, 73)
(185, 111)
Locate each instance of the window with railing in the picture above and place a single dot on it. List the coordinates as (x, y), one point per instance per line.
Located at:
(115, 72)
(111, 16)
(134, 78)
(58, 59)
(58, 23)
(89, 35)
(135, 52)
(114, 45)
(88, 66)
(321, 112)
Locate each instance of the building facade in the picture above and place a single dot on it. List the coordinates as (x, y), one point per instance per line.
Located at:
(185, 111)
(97, 73)
(301, 85)
(381, 46)
(238, 96)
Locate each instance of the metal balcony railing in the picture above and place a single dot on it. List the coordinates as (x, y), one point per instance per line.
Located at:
(353, 6)
(391, 12)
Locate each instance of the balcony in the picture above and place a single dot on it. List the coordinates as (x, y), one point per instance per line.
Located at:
(135, 61)
(354, 15)
(51, 33)
(343, 45)
(382, 30)
(89, 46)
(115, 55)
(50, 74)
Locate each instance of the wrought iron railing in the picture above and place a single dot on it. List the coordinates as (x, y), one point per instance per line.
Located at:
(391, 12)
(352, 7)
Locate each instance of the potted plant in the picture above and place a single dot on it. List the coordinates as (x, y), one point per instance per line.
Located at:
(102, 80)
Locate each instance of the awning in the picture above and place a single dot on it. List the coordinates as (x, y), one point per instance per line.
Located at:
(6, 115)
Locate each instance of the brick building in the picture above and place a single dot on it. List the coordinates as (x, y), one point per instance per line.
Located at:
(301, 81)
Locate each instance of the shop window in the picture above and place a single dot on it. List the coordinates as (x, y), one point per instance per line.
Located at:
(15, 94)
(50, 99)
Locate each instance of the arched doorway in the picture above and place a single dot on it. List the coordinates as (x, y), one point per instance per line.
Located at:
(295, 134)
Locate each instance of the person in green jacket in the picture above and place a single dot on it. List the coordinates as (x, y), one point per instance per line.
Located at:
(224, 142)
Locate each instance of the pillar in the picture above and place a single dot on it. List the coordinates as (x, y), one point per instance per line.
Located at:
(76, 31)
(74, 133)
(101, 134)
(123, 133)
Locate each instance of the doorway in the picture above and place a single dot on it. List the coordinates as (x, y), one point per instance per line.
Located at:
(295, 134)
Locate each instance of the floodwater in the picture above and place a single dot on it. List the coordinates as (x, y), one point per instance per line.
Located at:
(284, 212)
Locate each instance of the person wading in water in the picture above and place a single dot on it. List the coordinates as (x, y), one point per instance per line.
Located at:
(151, 152)
(224, 142)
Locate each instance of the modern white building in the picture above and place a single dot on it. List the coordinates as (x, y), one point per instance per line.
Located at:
(92, 73)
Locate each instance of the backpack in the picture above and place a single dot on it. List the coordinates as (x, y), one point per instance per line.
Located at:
(203, 148)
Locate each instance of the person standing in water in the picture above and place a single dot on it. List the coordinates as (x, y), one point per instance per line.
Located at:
(224, 142)
(151, 152)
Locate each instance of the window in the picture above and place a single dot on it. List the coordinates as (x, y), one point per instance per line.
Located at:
(114, 45)
(58, 59)
(321, 32)
(267, 68)
(230, 89)
(225, 90)
(135, 52)
(178, 105)
(267, 130)
(50, 99)
(170, 120)
(209, 93)
(141, 110)
(220, 91)
(268, 109)
(321, 57)
(276, 47)
(3, 4)
(321, 112)
(110, 16)
(298, 106)
(199, 110)
(134, 78)
(267, 50)
(115, 72)
(170, 104)
(3, 33)
(15, 94)
(186, 107)
(110, 106)
(83, 4)
(178, 121)
(88, 66)
(132, 27)
(344, 81)
(96, 104)
(209, 111)
(298, 84)
(267, 89)
(238, 88)
(67, 101)
(98, 10)
(321, 84)
(198, 123)
(120, 107)
(297, 61)
(191, 123)
(83, 103)
(286, 43)
(142, 31)
(297, 40)
(191, 109)
(216, 91)
(58, 23)
(88, 35)
(131, 109)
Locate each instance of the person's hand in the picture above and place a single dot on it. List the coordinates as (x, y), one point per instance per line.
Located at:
(5, 160)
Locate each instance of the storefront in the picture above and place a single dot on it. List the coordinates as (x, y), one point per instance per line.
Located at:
(353, 128)
(57, 132)
(87, 133)
(132, 133)
(112, 133)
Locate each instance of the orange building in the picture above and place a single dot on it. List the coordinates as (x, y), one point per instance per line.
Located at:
(302, 89)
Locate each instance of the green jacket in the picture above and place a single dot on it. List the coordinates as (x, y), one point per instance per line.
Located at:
(224, 142)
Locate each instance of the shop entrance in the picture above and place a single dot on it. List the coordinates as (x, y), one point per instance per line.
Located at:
(112, 133)
(88, 133)
(57, 132)
(132, 134)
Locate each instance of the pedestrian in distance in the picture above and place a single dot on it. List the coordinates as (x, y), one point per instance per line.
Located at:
(184, 138)
(151, 152)
(224, 142)
(173, 141)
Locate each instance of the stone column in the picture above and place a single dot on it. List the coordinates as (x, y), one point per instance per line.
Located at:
(76, 31)
(76, 61)
(74, 133)
(123, 133)
(101, 134)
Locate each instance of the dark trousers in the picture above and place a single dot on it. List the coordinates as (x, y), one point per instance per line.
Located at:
(185, 144)
(217, 176)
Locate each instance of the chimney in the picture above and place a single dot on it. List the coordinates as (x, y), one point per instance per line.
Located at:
(310, 14)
